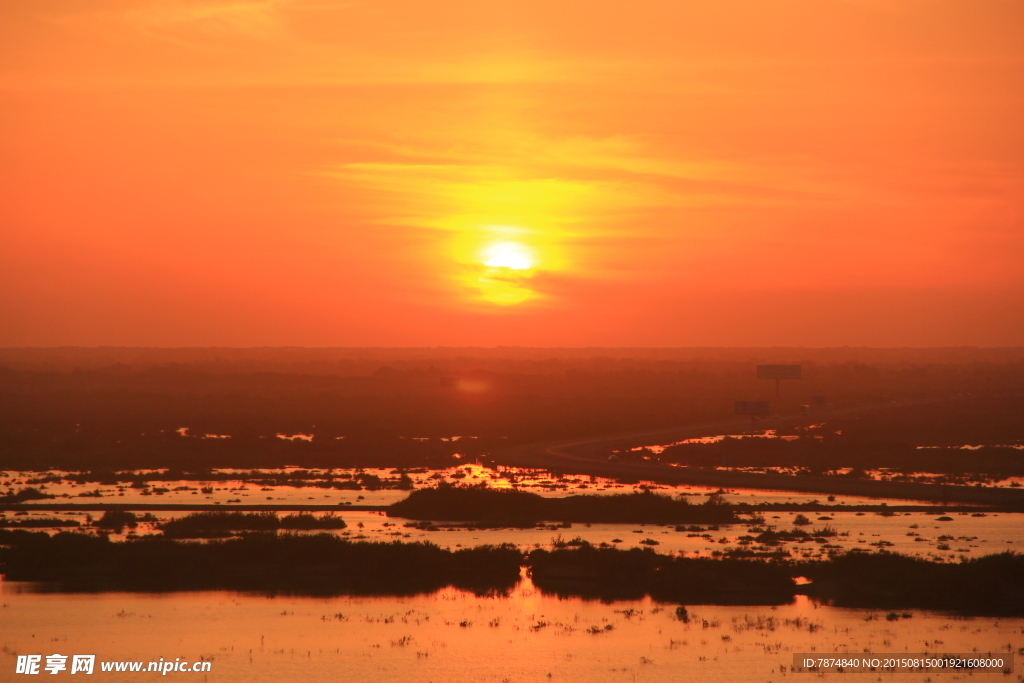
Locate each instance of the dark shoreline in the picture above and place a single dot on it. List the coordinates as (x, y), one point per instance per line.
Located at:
(313, 564)
(988, 585)
(322, 564)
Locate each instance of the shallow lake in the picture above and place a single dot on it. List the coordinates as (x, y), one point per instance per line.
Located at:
(227, 491)
(456, 636)
(919, 534)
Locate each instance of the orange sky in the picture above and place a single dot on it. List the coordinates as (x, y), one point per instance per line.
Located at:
(536, 172)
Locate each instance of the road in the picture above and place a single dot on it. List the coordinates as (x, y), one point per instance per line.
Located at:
(589, 456)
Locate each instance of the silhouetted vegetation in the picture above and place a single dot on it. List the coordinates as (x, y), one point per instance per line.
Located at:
(992, 584)
(609, 573)
(329, 479)
(38, 523)
(221, 524)
(327, 564)
(116, 520)
(310, 564)
(773, 537)
(478, 504)
(27, 493)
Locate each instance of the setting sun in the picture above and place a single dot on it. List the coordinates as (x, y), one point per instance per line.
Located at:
(507, 255)
(507, 269)
(511, 173)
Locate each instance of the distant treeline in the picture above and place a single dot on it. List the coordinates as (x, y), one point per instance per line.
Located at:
(478, 504)
(221, 524)
(218, 524)
(323, 564)
(309, 564)
(354, 361)
(365, 408)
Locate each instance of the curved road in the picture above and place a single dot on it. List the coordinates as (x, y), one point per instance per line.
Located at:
(586, 456)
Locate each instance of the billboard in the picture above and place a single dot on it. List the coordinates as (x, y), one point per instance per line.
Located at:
(751, 407)
(778, 372)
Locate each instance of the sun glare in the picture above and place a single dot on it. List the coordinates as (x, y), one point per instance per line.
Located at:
(507, 255)
(507, 268)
